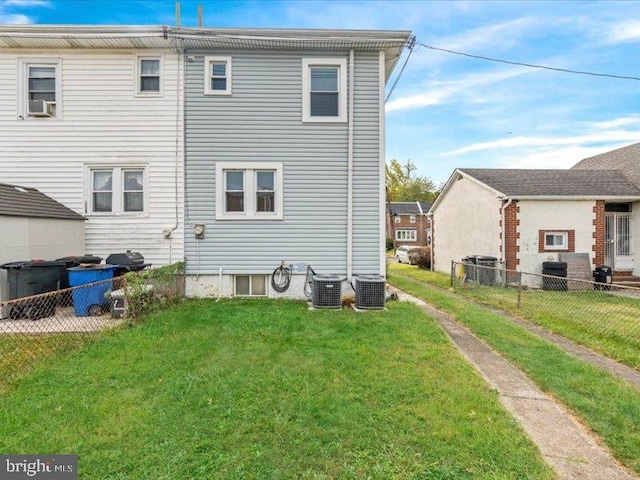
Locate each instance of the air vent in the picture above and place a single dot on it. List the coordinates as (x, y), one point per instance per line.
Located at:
(327, 291)
(370, 292)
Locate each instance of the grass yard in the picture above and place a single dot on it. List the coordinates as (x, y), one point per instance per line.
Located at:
(605, 323)
(268, 389)
(608, 405)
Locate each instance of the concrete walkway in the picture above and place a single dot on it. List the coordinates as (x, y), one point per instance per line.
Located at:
(565, 444)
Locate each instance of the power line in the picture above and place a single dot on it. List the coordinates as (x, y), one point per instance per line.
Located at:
(530, 65)
(410, 44)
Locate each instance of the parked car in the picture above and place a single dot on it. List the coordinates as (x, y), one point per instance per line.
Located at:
(402, 253)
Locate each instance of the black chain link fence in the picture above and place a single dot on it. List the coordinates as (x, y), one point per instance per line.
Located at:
(36, 328)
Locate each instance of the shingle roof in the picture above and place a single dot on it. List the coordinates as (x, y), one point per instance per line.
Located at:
(29, 202)
(625, 159)
(405, 208)
(514, 182)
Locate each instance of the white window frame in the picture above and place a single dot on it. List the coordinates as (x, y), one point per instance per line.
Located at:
(251, 294)
(412, 219)
(397, 219)
(23, 86)
(250, 203)
(565, 241)
(341, 64)
(207, 76)
(138, 73)
(117, 189)
(412, 238)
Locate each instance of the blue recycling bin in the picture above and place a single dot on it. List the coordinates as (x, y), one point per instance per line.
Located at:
(90, 300)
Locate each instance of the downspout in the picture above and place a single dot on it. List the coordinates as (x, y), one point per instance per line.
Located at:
(350, 171)
(504, 229)
(430, 217)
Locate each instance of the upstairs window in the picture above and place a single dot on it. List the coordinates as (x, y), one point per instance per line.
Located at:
(148, 75)
(40, 89)
(217, 76)
(249, 191)
(324, 90)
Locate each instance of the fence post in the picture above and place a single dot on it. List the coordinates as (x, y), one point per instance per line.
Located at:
(453, 266)
(519, 290)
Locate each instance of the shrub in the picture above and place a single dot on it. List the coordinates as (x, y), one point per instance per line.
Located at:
(421, 257)
(389, 243)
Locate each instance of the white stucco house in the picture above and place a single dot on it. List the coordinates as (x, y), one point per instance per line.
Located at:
(527, 217)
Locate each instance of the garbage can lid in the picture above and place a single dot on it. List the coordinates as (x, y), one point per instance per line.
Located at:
(14, 265)
(105, 266)
(26, 264)
(80, 259)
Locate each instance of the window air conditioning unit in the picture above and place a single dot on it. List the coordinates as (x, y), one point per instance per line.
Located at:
(370, 292)
(327, 291)
(40, 108)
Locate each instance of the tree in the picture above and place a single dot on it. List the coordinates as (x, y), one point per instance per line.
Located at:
(404, 185)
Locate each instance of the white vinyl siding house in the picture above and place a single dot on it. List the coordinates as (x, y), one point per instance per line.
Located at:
(117, 117)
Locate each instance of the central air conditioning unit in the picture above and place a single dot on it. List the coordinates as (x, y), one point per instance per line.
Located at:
(40, 108)
(370, 292)
(327, 291)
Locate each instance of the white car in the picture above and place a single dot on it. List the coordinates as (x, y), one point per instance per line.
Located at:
(402, 253)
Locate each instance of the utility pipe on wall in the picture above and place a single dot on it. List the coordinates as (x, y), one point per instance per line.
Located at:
(350, 171)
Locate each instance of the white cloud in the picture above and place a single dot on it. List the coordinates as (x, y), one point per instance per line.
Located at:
(617, 122)
(624, 32)
(624, 136)
(26, 3)
(565, 157)
(14, 19)
(434, 93)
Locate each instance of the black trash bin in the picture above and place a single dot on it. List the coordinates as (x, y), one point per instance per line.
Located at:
(488, 275)
(555, 276)
(603, 276)
(28, 278)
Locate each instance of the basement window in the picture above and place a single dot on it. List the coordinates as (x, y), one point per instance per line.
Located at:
(250, 286)
(556, 241)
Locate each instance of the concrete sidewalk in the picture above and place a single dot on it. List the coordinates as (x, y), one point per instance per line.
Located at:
(565, 445)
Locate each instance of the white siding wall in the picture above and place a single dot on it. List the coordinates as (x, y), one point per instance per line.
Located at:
(466, 222)
(103, 123)
(553, 215)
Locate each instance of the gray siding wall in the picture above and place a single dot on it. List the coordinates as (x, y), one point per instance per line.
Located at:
(262, 122)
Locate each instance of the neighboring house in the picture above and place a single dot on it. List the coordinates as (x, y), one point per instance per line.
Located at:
(35, 226)
(92, 117)
(527, 217)
(285, 156)
(408, 223)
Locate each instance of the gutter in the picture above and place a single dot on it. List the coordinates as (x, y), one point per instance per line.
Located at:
(350, 171)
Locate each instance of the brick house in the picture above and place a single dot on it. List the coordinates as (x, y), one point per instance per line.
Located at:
(527, 217)
(408, 223)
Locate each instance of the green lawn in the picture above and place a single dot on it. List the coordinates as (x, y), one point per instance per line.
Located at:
(608, 405)
(268, 389)
(605, 323)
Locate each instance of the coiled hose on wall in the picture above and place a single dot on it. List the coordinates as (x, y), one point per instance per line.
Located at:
(281, 279)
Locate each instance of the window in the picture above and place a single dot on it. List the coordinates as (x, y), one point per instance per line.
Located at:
(117, 190)
(412, 219)
(250, 285)
(249, 190)
(40, 89)
(406, 235)
(397, 218)
(148, 75)
(217, 75)
(324, 90)
(556, 241)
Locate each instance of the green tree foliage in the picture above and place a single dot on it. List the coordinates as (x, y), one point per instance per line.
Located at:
(404, 185)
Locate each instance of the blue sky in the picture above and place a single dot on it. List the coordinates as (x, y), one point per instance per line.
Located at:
(450, 111)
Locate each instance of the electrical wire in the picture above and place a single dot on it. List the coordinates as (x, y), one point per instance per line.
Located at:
(308, 282)
(410, 44)
(530, 65)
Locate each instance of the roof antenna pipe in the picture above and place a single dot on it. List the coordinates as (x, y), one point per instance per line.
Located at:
(199, 16)
(177, 14)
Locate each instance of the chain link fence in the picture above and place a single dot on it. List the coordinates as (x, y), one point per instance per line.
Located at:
(586, 311)
(35, 328)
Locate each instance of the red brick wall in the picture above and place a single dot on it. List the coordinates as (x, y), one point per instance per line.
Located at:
(571, 240)
(421, 226)
(599, 233)
(512, 236)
